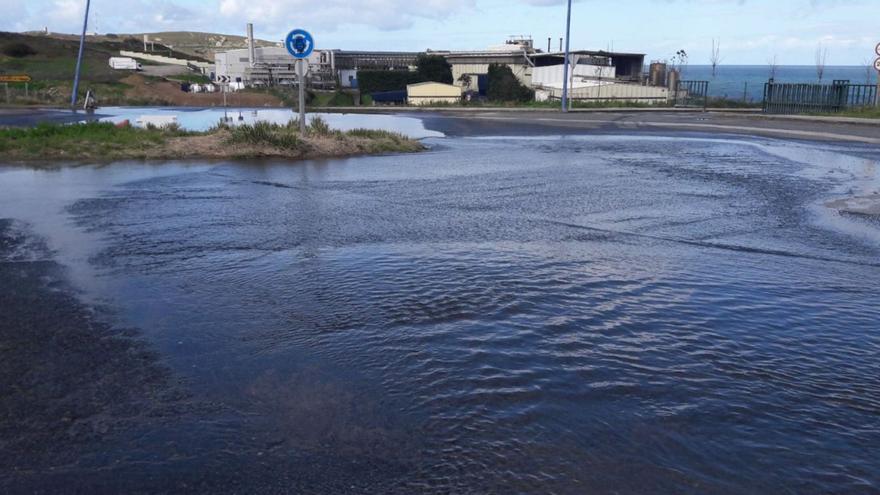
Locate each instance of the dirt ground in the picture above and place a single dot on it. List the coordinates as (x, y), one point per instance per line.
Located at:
(167, 92)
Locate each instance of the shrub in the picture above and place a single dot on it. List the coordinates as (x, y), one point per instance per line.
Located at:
(374, 81)
(434, 68)
(319, 126)
(504, 86)
(18, 50)
(266, 134)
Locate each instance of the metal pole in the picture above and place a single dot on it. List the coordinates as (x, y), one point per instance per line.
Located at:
(877, 93)
(82, 42)
(301, 77)
(565, 65)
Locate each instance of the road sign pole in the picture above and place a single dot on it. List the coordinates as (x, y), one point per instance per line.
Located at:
(82, 42)
(301, 78)
(300, 45)
(566, 62)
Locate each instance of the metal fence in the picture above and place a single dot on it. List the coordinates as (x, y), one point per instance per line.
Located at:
(691, 94)
(787, 98)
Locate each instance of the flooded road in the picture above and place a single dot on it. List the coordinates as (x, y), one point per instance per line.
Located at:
(618, 312)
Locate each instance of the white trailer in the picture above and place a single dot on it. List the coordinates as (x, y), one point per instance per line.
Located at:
(124, 63)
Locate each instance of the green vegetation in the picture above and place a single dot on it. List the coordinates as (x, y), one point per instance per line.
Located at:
(433, 68)
(730, 103)
(190, 78)
(332, 99)
(18, 50)
(374, 81)
(263, 133)
(319, 139)
(85, 140)
(105, 141)
(860, 113)
(504, 86)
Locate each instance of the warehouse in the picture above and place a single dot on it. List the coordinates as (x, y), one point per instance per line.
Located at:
(432, 93)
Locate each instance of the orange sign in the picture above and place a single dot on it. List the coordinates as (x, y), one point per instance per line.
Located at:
(14, 78)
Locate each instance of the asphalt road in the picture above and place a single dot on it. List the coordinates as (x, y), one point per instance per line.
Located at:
(489, 121)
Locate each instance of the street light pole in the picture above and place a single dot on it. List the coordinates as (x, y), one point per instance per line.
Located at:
(82, 42)
(565, 66)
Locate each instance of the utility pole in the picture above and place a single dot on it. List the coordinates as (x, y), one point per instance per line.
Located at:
(565, 65)
(82, 42)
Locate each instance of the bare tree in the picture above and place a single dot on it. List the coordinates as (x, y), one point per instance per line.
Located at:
(716, 56)
(821, 58)
(679, 61)
(772, 62)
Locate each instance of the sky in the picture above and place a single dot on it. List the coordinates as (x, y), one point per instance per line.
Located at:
(748, 31)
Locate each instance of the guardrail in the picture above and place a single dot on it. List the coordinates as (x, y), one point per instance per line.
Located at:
(796, 98)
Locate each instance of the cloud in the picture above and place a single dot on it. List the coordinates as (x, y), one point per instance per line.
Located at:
(382, 14)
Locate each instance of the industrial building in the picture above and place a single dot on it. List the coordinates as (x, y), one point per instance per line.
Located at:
(327, 69)
(432, 93)
(593, 75)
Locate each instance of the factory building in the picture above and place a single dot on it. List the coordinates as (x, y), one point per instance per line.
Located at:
(534, 68)
(327, 69)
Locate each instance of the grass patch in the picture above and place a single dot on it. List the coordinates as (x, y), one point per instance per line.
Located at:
(106, 141)
(332, 99)
(265, 134)
(860, 113)
(190, 78)
(79, 141)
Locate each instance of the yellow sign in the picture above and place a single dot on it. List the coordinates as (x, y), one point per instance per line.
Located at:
(14, 78)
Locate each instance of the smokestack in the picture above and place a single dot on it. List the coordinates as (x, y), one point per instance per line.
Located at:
(549, 40)
(560, 44)
(252, 54)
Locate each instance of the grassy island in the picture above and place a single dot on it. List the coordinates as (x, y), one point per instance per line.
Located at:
(106, 141)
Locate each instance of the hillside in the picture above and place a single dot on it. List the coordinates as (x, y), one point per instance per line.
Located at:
(51, 61)
(189, 43)
(202, 45)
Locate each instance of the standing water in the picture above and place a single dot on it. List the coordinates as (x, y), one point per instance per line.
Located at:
(551, 314)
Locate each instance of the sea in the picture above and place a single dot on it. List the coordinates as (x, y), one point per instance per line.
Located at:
(746, 82)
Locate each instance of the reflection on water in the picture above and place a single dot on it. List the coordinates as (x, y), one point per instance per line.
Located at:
(200, 119)
(568, 315)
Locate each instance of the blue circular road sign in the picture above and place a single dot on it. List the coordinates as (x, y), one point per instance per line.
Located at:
(299, 43)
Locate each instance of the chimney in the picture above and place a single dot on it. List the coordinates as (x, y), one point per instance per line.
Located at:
(252, 57)
(549, 40)
(560, 44)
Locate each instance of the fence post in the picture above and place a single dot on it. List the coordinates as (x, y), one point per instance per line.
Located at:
(877, 91)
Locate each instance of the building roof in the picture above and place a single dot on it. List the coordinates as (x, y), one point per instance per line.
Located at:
(431, 82)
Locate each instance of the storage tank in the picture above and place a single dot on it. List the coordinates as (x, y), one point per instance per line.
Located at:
(657, 74)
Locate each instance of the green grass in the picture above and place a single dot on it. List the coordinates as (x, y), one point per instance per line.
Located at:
(332, 99)
(191, 78)
(90, 140)
(265, 134)
(105, 141)
(862, 113)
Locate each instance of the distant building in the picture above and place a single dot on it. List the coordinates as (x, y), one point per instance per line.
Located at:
(432, 93)
(328, 69)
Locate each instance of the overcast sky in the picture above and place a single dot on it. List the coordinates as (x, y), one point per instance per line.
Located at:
(750, 31)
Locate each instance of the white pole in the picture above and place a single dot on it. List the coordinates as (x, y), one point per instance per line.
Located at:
(82, 42)
(301, 77)
(565, 66)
